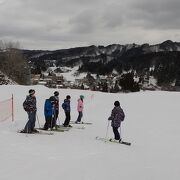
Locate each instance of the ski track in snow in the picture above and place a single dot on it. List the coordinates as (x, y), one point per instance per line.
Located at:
(151, 125)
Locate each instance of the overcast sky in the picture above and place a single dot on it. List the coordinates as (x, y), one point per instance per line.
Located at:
(57, 24)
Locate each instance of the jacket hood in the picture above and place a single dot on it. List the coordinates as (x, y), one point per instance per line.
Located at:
(66, 100)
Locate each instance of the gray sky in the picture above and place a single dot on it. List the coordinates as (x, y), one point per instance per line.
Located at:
(57, 24)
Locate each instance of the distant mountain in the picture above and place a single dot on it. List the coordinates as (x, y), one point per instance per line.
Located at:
(95, 52)
(162, 61)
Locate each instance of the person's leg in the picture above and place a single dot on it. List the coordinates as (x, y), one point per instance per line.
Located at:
(29, 124)
(66, 119)
(47, 123)
(55, 118)
(116, 133)
(79, 117)
(57, 113)
(33, 120)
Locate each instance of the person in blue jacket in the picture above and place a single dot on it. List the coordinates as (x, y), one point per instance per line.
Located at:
(67, 109)
(49, 113)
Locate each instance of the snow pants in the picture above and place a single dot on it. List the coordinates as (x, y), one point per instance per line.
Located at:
(56, 113)
(116, 133)
(79, 116)
(50, 122)
(68, 118)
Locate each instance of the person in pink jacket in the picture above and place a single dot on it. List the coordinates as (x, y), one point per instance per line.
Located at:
(80, 107)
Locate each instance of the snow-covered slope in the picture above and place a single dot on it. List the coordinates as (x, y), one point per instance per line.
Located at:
(151, 125)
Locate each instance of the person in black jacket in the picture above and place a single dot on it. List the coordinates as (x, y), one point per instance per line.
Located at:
(30, 107)
(117, 116)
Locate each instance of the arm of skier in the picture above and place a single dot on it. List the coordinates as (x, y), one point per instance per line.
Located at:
(112, 116)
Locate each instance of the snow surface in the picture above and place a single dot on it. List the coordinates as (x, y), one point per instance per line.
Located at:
(151, 125)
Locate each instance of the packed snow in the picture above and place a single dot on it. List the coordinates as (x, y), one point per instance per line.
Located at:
(151, 125)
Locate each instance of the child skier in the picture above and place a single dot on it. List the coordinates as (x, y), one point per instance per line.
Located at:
(117, 116)
(67, 110)
(48, 113)
(80, 107)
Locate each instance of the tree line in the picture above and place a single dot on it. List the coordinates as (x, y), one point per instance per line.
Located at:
(13, 63)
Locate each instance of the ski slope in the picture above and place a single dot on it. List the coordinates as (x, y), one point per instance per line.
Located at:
(152, 125)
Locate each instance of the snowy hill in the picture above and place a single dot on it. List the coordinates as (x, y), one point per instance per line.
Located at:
(151, 125)
(159, 61)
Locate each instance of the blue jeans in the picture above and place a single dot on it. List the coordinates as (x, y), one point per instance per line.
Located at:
(31, 122)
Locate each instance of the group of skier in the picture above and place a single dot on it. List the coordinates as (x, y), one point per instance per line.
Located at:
(51, 112)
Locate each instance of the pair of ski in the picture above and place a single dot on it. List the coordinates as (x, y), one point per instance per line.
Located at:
(113, 141)
(69, 127)
(40, 131)
(45, 132)
(53, 130)
(75, 122)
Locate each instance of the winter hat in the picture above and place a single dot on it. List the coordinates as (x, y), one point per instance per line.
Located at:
(81, 96)
(31, 91)
(68, 97)
(51, 98)
(56, 93)
(116, 103)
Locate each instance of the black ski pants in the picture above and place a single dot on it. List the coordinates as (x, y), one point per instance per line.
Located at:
(50, 123)
(116, 133)
(79, 116)
(68, 118)
(56, 114)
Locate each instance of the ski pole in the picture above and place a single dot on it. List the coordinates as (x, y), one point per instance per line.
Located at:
(38, 121)
(107, 130)
(82, 117)
(51, 123)
(120, 132)
(59, 121)
(52, 119)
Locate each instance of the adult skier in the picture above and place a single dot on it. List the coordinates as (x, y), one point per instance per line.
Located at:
(117, 116)
(80, 107)
(49, 112)
(29, 106)
(67, 110)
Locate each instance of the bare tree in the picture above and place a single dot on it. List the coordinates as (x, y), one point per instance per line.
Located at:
(13, 63)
